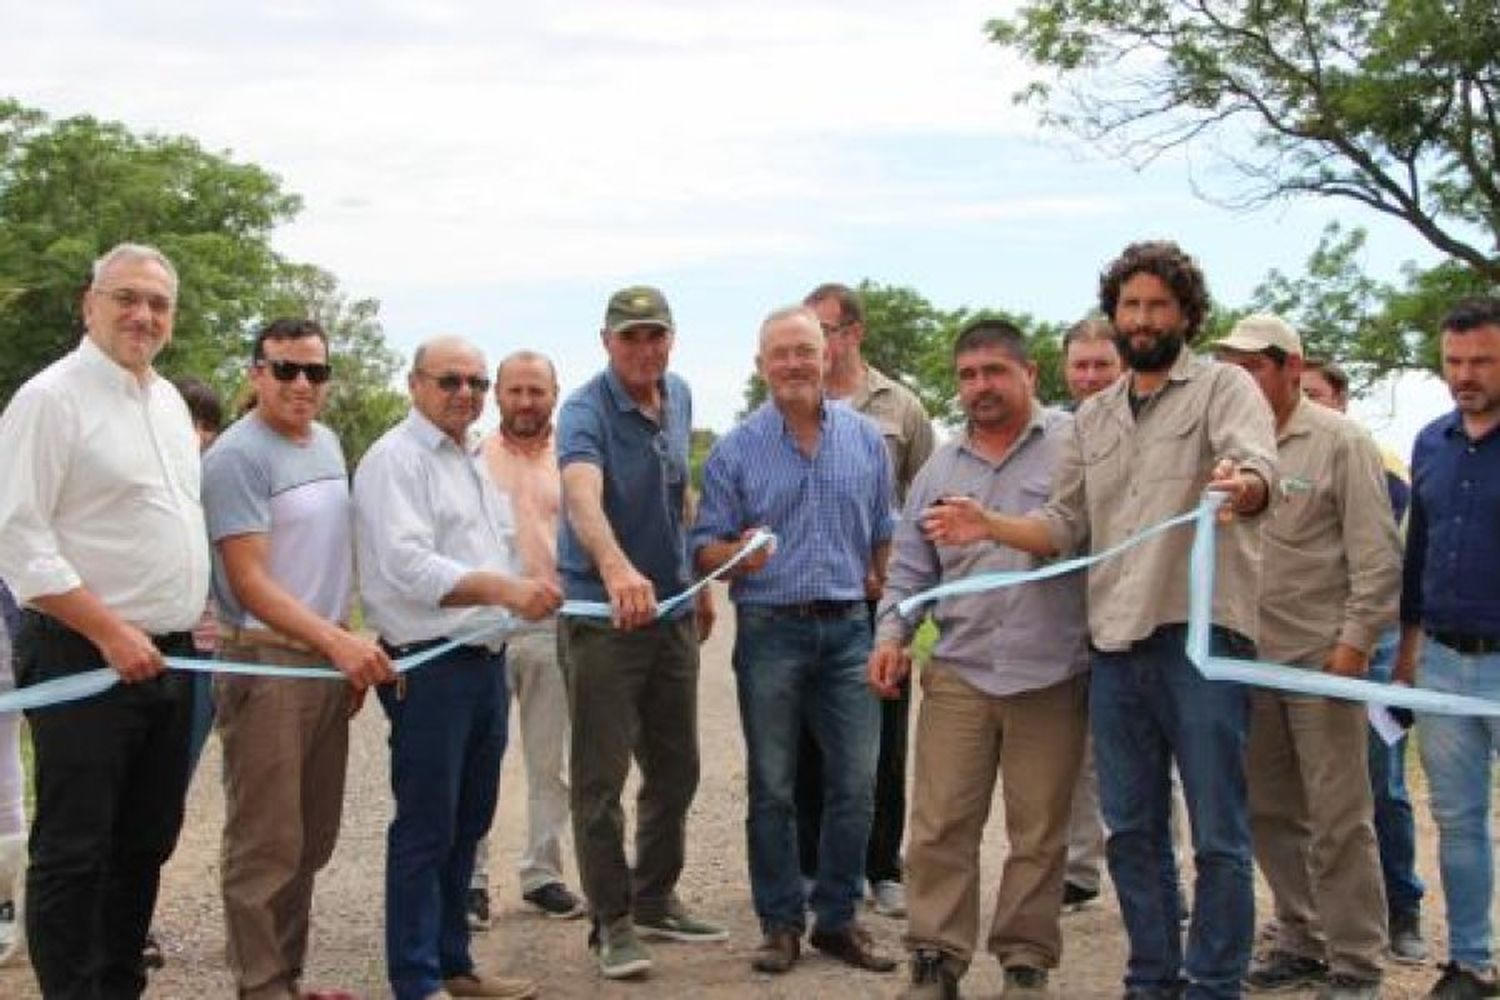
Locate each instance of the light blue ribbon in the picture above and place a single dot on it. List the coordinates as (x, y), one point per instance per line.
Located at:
(73, 687)
(1259, 673)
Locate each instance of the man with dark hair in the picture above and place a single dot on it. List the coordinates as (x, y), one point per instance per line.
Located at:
(276, 497)
(1143, 450)
(1450, 631)
(1005, 692)
(803, 632)
(1332, 571)
(908, 436)
(622, 445)
(1326, 384)
(102, 540)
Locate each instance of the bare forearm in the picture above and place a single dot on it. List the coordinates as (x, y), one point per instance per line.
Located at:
(715, 554)
(1029, 534)
(583, 492)
(480, 588)
(82, 612)
(1407, 652)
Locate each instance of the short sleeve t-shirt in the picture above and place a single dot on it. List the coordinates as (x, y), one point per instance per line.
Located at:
(256, 481)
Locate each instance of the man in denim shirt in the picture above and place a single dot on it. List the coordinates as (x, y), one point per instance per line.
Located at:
(817, 474)
(1450, 624)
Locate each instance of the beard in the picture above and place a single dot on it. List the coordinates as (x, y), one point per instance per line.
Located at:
(1159, 356)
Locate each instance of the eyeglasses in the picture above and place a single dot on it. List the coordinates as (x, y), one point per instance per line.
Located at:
(128, 298)
(317, 372)
(452, 381)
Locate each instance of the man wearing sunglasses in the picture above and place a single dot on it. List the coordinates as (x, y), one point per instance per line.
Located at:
(102, 540)
(276, 497)
(438, 564)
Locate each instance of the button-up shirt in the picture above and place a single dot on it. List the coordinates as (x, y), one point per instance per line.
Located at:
(1332, 570)
(426, 515)
(829, 510)
(101, 492)
(644, 464)
(1453, 534)
(1005, 641)
(1118, 474)
(902, 421)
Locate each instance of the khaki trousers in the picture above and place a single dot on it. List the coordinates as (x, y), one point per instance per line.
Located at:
(1034, 742)
(1311, 820)
(285, 745)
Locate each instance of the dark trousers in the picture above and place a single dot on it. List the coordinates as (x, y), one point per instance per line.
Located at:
(111, 774)
(632, 695)
(883, 855)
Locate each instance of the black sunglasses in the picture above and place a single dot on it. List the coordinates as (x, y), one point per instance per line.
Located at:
(317, 372)
(452, 381)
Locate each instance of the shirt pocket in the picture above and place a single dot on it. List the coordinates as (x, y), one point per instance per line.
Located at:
(1173, 449)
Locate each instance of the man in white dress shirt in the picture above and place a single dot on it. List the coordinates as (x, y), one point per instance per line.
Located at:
(437, 562)
(102, 539)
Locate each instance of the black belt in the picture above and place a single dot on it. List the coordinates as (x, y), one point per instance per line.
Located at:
(815, 609)
(413, 648)
(1469, 645)
(164, 641)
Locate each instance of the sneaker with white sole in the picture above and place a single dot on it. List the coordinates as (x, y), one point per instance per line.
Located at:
(890, 898)
(679, 925)
(477, 909)
(621, 954)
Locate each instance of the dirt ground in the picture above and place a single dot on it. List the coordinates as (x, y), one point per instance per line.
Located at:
(346, 945)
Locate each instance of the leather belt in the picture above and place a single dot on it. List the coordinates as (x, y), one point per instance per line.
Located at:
(816, 609)
(1469, 645)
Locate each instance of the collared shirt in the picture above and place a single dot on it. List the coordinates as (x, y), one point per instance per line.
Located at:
(426, 515)
(828, 509)
(1005, 641)
(1118, 474)
(529, 479)
(101, 491)
(1332, 570)
(645, 470)
(901, 419)
(1453, 534)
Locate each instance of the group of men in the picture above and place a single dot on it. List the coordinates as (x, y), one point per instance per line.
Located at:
(462, 556)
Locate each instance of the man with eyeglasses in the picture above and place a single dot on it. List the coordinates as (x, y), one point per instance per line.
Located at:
(102, 539)
(908, 436)
(437, 564)
(622, 444)
(276, 497)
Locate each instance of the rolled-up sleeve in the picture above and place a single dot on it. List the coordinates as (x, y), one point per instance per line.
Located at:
(1241, 427)
(1066, 512)
(36, 436)
(398, 538)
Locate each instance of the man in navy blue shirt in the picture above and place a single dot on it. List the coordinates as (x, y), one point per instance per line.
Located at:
(1450, 624)
(622, 445)
(817, 474)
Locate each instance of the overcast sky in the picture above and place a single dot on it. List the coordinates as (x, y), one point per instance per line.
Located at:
(497, 169)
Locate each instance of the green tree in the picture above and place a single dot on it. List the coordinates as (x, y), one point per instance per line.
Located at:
(1393, 104)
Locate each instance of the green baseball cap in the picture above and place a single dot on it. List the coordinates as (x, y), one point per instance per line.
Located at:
(638, 305)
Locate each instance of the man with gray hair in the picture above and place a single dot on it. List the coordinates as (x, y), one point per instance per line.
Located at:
(102, 539)
(816, 473)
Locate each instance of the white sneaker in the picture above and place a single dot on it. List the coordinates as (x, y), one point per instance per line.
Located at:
(890, 898)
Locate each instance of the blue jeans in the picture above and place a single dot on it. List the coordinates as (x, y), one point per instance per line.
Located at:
(447, 738)
(1395, 824)
(1458, 754)
(789, 670)
(1149, 705)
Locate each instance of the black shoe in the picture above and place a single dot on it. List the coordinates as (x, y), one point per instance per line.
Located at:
(933, 976)
(1459, 983)
(1076, 896)
(477, 909)
(555, 900)
(1281, 970)
(1155, 992)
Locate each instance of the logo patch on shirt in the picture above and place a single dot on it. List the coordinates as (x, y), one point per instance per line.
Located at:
(1292, 485)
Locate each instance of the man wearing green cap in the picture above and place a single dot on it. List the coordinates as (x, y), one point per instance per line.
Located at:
(622, 446)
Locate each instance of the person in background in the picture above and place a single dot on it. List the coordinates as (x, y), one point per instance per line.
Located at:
(12, 797)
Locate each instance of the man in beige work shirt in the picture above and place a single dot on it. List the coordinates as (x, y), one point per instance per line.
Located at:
(1332, 578)
(1141, 451)
(907, 430)
(522, 463)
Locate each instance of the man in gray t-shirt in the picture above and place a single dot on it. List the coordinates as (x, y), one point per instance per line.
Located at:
(276, 499)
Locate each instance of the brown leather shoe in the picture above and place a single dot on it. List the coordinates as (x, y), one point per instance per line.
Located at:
(852, 944)
(477, 984)
(778, 952)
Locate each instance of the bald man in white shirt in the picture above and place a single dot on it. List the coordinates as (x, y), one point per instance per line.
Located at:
(102, 539)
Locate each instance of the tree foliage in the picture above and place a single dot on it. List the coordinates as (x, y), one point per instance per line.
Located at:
(70, 189)
(1394, 104)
